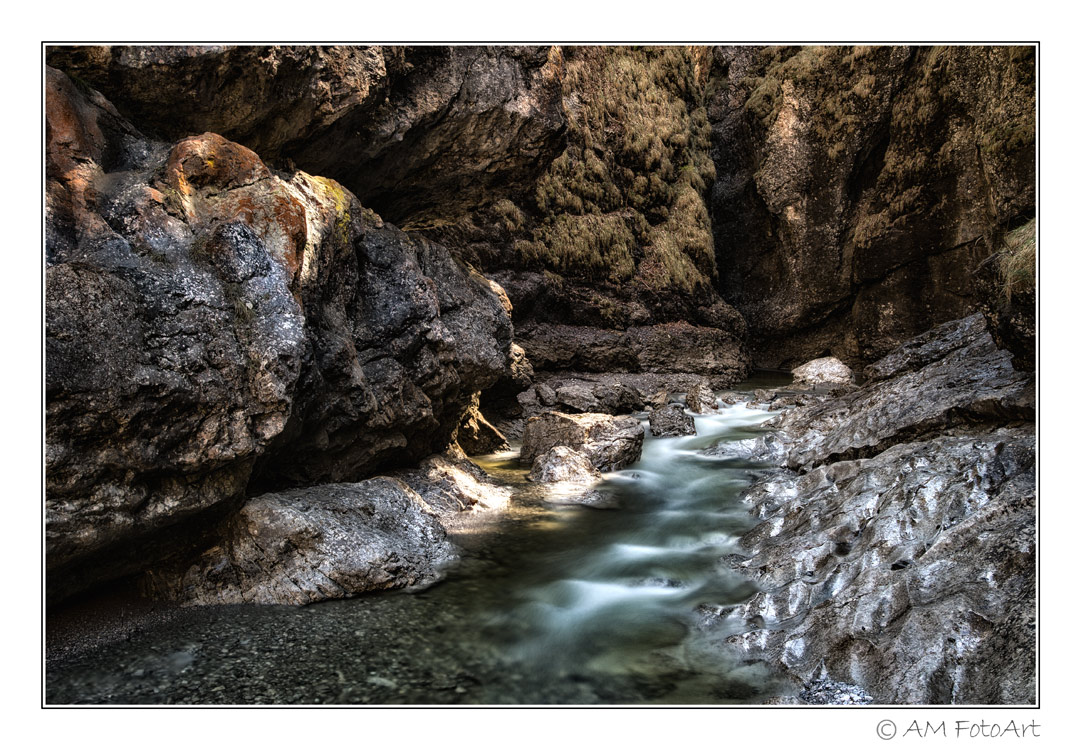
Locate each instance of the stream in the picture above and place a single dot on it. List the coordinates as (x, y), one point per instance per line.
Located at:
(549, 604)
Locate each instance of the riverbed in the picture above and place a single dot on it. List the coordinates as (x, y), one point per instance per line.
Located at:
(550, 604)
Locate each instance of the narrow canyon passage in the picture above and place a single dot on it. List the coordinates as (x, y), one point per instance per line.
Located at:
(550, 604)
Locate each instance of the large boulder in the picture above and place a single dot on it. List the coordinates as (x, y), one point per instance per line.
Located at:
(303, 546)
(671, 420)
(821, 371)
(563, 464)
(422, 134)
(214, 326)
(610, 443)
(701, 399)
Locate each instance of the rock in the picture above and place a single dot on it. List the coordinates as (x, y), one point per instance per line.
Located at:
(610, 443)
(563, 464)
(370, 117)
(832, 693)
(450, 484)
(852, 234)
(897, 550)
(823, 370)
(666, 348)
(701, 399)
(213, 326)
(578, 398)
(545, 395)
(476, 435)
(671, 420)
(302, 546)
(973, 384)
(911, 573)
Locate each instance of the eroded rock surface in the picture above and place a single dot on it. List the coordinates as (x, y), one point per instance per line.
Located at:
(822, 370)
(911, 574)
(897, 549)
(421, 134)
(610, 443)
(858, 188)
(303, 546)
(671, 420)
(214, 325)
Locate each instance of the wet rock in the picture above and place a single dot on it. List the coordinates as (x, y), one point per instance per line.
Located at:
(833, 693)
(563, 464)
(972, 386)
(701, 399)
(911, 573)
(370, 117)
(610, 443)
(303, 546)
(214, 326)
(823, 370)
(671, 420)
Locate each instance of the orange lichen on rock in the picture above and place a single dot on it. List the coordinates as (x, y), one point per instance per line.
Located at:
(209, 160)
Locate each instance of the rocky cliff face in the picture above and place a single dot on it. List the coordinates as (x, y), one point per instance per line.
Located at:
(212, 324)
(858, 189)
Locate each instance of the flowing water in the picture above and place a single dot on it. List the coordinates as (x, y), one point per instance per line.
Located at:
(550, 604)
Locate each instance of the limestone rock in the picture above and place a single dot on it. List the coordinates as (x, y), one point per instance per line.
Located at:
(563, 464)
(370, 117)
(213, 326)
(823, 370)
(450, 484)
(665, 348)
(974, 384)
(671, 420)
(610, 443)
(701, 399)
(852, 233)
(476, 435)
(303, 546)
(911, 574)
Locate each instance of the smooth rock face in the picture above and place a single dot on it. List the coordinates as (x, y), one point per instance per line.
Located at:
(897, 551)
(563, 464)
(610, 443)
(671, 420)
(421, 134)
(858, 188)
(823, 370)
(212, 326)
(304, 546)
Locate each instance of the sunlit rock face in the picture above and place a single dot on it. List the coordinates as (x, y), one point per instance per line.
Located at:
(421, 134)
(309, 545)
(610, 443)
(214, 325)
(897, 550)
(858, 189)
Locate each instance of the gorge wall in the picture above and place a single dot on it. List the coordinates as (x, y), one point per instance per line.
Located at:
(222, 320)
